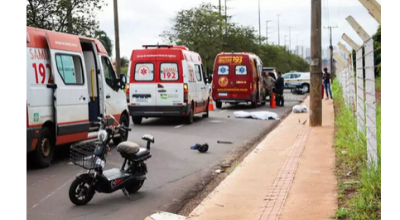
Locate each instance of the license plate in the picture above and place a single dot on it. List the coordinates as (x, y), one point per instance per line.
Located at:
(141, 100)
(223, 94)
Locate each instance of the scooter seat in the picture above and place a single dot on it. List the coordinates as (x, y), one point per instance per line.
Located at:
(128, 147)
(143, 152)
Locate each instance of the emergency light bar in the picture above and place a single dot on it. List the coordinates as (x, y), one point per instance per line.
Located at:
(158, 46)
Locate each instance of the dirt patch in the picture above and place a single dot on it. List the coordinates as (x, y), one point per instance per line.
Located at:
(378, 96)
(194, 198)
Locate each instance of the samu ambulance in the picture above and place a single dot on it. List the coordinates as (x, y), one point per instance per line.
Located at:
(237, 77)
(167, 80)
(70, 83)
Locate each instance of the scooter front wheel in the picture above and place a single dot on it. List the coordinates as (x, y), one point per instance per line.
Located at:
(80, 193)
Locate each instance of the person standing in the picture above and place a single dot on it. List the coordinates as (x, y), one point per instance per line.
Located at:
(279, 87)
(327, 83)
(269, 85)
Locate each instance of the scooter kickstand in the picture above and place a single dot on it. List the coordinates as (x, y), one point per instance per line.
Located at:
(126, 193)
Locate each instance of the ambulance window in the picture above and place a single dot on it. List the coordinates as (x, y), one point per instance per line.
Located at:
(144, 71)
(109, 74)
(223, 70)
(169, 72)
(197, 72)
(241, 70)
(70, 69)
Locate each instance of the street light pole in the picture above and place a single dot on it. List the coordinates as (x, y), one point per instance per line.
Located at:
(117, 56)
(290, 40)
(259, 23)
(279, 36)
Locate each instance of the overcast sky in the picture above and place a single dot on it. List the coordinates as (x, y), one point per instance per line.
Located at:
(142, 21)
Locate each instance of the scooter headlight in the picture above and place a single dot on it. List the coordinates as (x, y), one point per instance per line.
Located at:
(102, 136)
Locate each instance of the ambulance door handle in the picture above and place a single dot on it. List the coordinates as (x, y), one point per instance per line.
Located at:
(108, 96)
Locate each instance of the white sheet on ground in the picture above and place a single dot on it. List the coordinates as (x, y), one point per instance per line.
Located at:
(262, 115)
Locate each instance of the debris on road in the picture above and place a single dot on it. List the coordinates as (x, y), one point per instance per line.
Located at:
(299, 109)
(202, 148)
(218, 171)
(224, 142)
(262, 115)
(165, 216)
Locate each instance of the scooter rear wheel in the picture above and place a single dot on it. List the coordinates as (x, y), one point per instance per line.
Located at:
(80, 193)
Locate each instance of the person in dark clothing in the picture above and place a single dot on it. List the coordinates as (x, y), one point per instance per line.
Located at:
(327, 83)
(279, 87)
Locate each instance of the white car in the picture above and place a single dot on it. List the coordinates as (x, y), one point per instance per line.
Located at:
(297, 79)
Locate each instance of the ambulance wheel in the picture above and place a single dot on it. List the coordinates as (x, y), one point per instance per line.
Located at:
(44, 152)
(218, 104)
(123, 135)
(206, 114)
(254, 104)
(189, 119)
(137, 120)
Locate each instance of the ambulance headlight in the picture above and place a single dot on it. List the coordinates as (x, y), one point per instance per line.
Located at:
(102, 136)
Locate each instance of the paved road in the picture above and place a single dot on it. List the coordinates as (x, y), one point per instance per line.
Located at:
(174, 170)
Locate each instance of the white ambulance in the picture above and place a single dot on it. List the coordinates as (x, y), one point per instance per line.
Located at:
(166, 81)
(70, 82)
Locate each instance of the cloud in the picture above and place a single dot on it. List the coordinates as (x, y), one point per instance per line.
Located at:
(141, 22)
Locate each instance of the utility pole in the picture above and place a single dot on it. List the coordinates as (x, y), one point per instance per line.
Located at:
(267, 31)
(259, 23)
(315, 67)
(279, 36)
(117, 58)
(331, 49)
(220, 7)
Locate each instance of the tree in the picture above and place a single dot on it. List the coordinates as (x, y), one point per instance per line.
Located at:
(124, 61)
(105, 40)
(70, 16)
(203, 29)
(377, 53)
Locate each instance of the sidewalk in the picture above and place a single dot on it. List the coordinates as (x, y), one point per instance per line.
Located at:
(289, 175)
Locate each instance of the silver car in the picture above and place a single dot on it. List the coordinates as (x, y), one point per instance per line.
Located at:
(297, 80)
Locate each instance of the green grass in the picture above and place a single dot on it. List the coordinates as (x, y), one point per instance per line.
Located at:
(363, 199)
(378, 83)
(124, 70)
(233, 167)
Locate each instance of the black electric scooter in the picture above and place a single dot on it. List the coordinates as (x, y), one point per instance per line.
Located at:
(91, 155)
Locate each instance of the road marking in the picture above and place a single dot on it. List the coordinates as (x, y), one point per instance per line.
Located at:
(48, 196)
(178, 126)
(222, 111)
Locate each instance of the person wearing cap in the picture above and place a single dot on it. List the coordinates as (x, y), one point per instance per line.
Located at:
(327, 83)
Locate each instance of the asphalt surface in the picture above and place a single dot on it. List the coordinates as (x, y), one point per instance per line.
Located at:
(175, 171)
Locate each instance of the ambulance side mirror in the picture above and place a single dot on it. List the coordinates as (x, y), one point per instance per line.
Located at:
(122, 80)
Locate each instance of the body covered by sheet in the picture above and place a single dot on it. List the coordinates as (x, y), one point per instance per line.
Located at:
(262, 115)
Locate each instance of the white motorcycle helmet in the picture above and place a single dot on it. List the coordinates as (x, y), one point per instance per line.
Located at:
(102, 136)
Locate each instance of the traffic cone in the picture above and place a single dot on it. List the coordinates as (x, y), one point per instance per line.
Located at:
(211, 104)
(273, 103)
